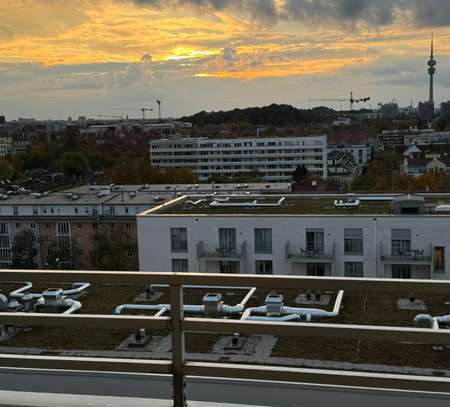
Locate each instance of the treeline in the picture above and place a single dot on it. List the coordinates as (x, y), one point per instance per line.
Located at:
(383, 175)
(117, 160)
(273, 115)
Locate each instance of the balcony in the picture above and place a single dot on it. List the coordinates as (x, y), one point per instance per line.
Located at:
(215, 252)
(418, 257)
(304, 255)
(286, 385)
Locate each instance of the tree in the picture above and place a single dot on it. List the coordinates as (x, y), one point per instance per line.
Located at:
(300, 173)
(73, 163)
(24, 251)
(62, 253)
(110, 250)
(6, 170)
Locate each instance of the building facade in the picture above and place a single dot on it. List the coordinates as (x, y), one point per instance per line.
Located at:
(274, 159)
(277, 240)
(87, 228)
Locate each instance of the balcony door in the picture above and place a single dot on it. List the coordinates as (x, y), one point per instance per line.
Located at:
(401, 242)
(315, 241)
(227, 240)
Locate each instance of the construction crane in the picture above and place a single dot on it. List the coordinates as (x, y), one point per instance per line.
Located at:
(352, 100)
(143, 110)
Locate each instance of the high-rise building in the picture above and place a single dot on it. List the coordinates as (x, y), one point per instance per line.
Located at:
(445, 109)
(426, 109)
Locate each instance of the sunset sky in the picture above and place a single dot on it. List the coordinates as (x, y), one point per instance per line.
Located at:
(62, 58)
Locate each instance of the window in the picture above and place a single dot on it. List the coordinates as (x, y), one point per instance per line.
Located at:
(112, 225)
(401, 242)
(317, 269)
(227, 239)
(263, 266)
(130, 253)
(16, 210)
(401, 271)
(48, 225)
(439, 259)
(78, 225)
(180, 265)
(4, 241)
(63, 228)
(112, 210)
(126, 210)
(3, 228)
(94, 226)
(35, 210)
(33, 225)
(315, 240)
(78, 239)
(128, 225)
(17, 225)
(354, 269)
(353, 241)
(178, 239)
(76, 210)
(263, 240)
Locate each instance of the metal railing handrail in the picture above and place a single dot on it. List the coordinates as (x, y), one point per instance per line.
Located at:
(243, 280)
(177, 325)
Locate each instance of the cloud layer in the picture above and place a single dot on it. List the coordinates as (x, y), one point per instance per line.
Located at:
(88, 55)
(376, 12)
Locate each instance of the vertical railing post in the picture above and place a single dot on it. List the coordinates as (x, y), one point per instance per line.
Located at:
(178, 345)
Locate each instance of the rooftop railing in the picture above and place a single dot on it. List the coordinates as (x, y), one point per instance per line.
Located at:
(177, 324)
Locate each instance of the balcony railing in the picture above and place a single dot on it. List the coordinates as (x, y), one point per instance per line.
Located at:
(177, 325)
(211, 251)
(308, 255)
(419, 256)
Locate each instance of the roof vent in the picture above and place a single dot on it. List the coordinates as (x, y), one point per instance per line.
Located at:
(274, 304)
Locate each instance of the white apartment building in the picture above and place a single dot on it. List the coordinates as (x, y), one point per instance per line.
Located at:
(274, 158)
(6, 146)
(297, 236)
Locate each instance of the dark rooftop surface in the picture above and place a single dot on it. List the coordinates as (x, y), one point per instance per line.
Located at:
(366, 308)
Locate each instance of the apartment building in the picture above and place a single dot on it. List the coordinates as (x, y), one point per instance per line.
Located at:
(89, 227)
(368, 236)
(275, 159)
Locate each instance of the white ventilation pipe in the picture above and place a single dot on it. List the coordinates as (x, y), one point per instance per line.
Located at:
(286, 318)
(221, 287)
(192, 309)
(73, 305)
(348, 204)
(77, 288)
(294, 312)
(254, 204)
(22, 290)
(433, 321)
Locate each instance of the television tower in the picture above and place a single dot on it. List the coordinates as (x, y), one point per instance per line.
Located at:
(431, 70)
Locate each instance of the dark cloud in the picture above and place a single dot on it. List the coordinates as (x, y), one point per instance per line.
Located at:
(373, 12)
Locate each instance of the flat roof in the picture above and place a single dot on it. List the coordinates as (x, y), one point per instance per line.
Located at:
(291, 204)
(188, 188)
(366, 308)
(83, 198)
